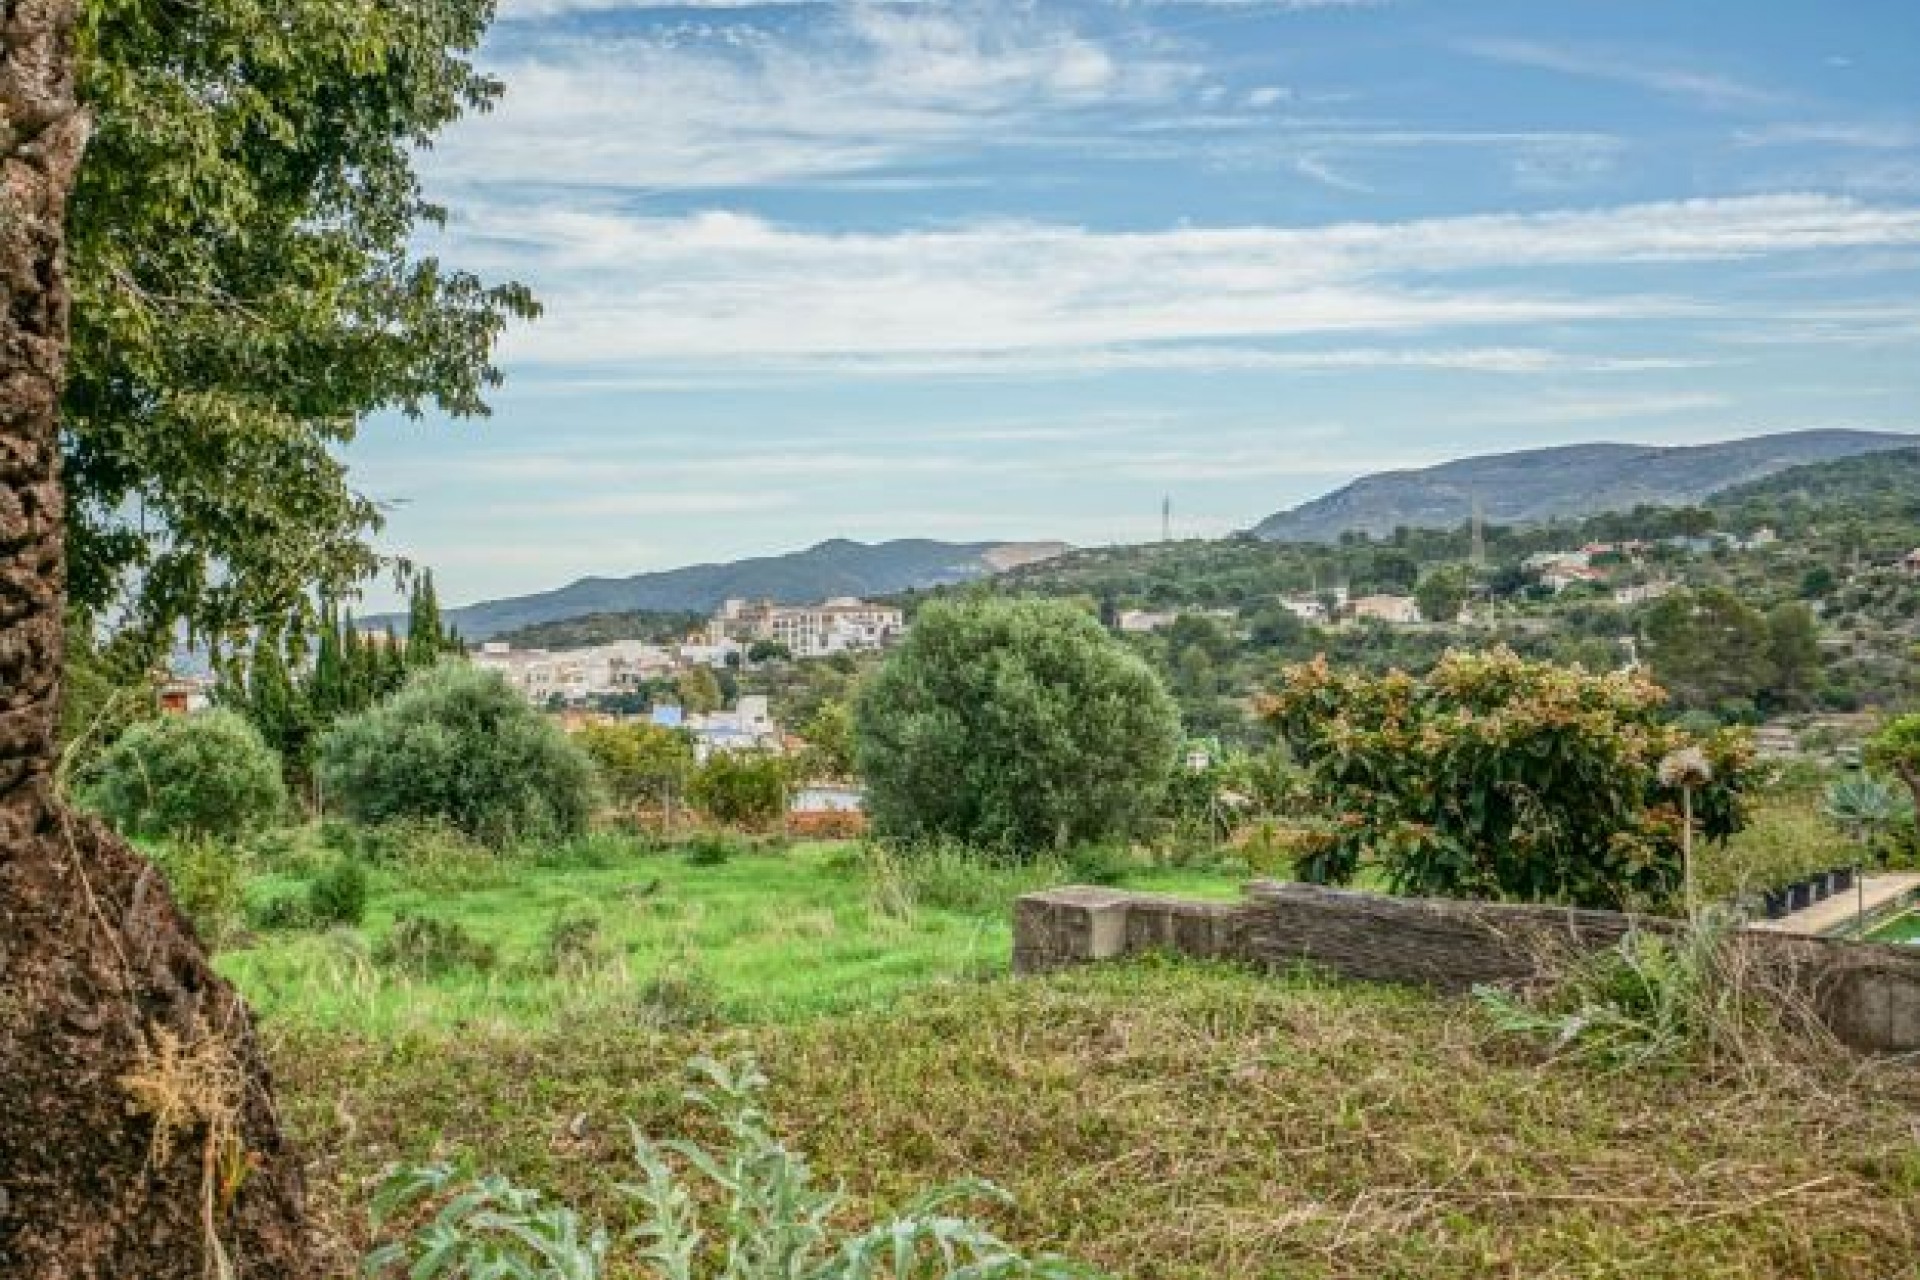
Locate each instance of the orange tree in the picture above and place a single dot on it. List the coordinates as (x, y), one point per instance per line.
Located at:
(1494, 777)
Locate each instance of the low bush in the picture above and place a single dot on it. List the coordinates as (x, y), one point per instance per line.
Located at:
(338, 895)
(429, 854)
(745, 789)
(759, 1209)
(679, 995)
(713, 849)
(1783, 842)
(458, 745)
(425, 946)
(206, 775)
(208, 880)
(283, 911)
(574, 940)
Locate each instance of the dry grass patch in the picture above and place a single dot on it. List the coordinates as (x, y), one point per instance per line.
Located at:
(1183, 1120)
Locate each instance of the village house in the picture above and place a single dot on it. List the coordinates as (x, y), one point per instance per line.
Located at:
(840, 625)
(1395, 610)
(1642, 592)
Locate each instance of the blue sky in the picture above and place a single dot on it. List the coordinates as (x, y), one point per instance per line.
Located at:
(997, 270)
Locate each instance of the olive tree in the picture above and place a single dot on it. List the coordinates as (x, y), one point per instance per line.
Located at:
(458, 745)
(203, 775)
(1014, 724)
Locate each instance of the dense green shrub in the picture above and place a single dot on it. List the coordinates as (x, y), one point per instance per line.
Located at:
(712, 849)
(641, 764)
(338, 895)
(200, 776)
(746, 789)
(1497, 777)
(458, 745)
(1015, 724)
(208, 880)
(287, 909)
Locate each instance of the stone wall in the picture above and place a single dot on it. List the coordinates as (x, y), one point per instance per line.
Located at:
(1867, 993)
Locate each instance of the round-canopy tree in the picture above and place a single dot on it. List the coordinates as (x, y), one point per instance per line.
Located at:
(204, 775)
(1013, 724)
(459, 746)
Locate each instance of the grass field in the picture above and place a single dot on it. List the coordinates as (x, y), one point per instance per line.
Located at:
(762, 937)
(1182, 1120)
(1159, 1119)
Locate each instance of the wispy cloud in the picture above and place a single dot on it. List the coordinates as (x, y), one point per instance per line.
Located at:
(1707, 88)
(739, 292)
(736, 104)
(1859, 135)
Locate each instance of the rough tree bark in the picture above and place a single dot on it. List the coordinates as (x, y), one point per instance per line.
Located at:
(137, 1131)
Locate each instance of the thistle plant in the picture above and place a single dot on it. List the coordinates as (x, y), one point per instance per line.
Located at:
(1684, 770)
(761, 1218)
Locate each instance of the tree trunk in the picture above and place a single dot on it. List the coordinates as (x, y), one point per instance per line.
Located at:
(137, 1134)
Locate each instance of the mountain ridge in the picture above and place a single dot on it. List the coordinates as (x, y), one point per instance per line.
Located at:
(1531, 485)
(834, 567)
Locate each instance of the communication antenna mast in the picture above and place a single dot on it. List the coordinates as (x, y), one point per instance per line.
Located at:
(1166, 518)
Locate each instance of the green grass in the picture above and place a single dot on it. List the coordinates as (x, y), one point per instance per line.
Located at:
(766, 936)
(1902, 928)
(1182, 1121)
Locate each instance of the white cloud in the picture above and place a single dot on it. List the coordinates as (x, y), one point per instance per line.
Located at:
(1709, 89)
(738, 293)
(736, 104)
(1857, 135)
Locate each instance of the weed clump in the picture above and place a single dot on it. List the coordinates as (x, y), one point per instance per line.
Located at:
(426, 946)
(1663, 999)
(762, 1212)
(574, 941)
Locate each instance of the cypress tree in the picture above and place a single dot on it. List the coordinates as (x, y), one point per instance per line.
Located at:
(326, 686)
(425, 640)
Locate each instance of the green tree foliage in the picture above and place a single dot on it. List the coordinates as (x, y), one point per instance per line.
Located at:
(105, 690)
(699, 691)
(247, 287)
(1708, 647)
(1441, 594)
(746, 789)
(206, 775)
(828, 733)
(1896, 749)
(1793, 651)
(427, 638)
(1501, 778)
(639, 763)
(1018, 724)
(457, 744)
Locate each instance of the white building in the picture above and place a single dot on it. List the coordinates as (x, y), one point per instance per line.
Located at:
(1641, 592)
(840, 625)
(1396, 610)
(748, 727)
(578, 674)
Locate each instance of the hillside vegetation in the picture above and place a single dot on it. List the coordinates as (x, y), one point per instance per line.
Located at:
(1570, 481)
